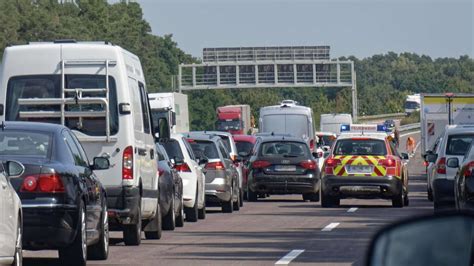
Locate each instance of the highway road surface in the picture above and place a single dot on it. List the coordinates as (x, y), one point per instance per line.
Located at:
(277, 230)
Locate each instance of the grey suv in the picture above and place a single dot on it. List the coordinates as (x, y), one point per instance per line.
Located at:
(222, 179)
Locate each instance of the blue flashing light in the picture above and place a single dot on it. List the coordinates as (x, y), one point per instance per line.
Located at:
(382, 128)
(345, 128)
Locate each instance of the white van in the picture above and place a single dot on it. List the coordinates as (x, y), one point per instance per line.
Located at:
(332, 122)
(72, 84)
(288, 118)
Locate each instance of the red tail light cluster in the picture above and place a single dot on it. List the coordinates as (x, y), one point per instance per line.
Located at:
(309, 164)
(469, 170)
(388, 162)
(215, 166)
(46, 183)
(127, 163)
(311, 145)
(260, 164)
(329, 165)
(184, 167)
(160, 171)
(441, 166)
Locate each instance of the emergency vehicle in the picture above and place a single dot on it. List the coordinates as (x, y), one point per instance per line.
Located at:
(364, 163)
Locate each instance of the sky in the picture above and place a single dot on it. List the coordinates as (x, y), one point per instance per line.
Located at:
(437, 28)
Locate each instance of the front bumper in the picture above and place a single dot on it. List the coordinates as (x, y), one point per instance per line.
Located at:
(283, 184)
(50, 227)
(366, 187)
(123, 205)
(443, 190)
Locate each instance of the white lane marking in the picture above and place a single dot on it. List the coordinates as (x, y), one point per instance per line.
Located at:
(289, 257)
(353, 209)
(330, 226)
(409, 133)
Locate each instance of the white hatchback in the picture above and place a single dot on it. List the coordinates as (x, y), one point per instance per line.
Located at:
(11, 224)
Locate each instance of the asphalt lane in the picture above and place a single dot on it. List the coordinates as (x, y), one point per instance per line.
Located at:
(276, 229)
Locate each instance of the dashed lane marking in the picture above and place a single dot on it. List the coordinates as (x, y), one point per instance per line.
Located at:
(289, 257)
(353, 209)
(330, 226)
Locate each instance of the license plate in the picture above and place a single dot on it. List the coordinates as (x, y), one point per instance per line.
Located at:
(364, 169)
(285, 168)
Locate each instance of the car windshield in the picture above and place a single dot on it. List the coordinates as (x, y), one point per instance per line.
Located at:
(284, 149)
(25, 143)
(295, 125)
(228, 125)
(412, 105)
(326, 140)
(173, 150)
(459, 144)
(360, 147)
(205, 149)
(49, 86)
(244, 146)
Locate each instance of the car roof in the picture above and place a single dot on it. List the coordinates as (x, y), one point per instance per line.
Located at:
(246, 138)
(201, 136)
(324, 133)
(281, 138)
(454, 129)
(33, 126)
(370, 135)
(218, 133)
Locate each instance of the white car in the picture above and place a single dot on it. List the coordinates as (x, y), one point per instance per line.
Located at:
(430, 167)
(454, 143)
(11, 224)
(181, 153)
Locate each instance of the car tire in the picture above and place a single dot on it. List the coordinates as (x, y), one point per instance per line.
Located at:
(192, 213)
(100, 250)
(328, 201)
(180, 216)
(76, 253)
(252, 196)
(132, 233)
(202, 212)
(241, 195)
(430, 194)
(228, 206)
(237, 203)
(18, 257)
(406, 200)
(397, 201)
(157, 227)
(169, 221)
(313, 197)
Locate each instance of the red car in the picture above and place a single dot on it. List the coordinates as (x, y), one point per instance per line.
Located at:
(245, 145)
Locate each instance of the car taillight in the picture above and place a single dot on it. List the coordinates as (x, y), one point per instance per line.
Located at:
(469, 170)
(388, 162)
(441, 166)
(160, 171)
(215, 166)
(329, 165)
(260, 164)
(47, 183)
(311, 144)
(309, 164)
(127, 163)
(184, 167)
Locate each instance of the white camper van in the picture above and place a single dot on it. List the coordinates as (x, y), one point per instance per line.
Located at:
(98, 90)
(288, 118)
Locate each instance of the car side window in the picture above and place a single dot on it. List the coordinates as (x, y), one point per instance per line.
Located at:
(224, 151)
(80, 148)
(189, 149)
(145, 110)
(76, 154)
(161, 157)
(393, 149)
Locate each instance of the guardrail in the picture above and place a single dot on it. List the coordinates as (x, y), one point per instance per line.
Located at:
(409, 127)
(372, 117)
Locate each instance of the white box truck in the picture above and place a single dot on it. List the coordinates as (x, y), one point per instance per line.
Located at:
(332, 122)
(172, 106)
(439, 110)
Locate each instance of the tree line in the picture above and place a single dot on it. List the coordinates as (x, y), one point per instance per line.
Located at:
(383, 81)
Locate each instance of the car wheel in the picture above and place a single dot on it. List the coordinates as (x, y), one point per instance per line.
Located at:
(430, 194)
(169, 221)
(241, 196)
(180, 217)
(157, 227)
(76, 253)
(202, 211)
(18, 259)
(237, 203)
(227, 206)
(328, 201)
(100, 250)
(192, 213)
(406, 201)
(252, 196)
(313, 197)
(397, 201)
(132, 233)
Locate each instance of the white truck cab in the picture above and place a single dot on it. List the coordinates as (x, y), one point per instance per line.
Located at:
(99, 91)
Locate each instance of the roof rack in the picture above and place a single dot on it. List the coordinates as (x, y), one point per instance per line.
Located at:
(76, 100)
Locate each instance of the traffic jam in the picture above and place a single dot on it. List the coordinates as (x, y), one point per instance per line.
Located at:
(86, 151)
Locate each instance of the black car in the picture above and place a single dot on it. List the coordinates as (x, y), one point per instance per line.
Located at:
(464, 180)
(63, 202)
(171, 191)
(283, 165)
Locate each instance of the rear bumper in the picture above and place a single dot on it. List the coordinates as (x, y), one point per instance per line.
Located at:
(443, 190)
(218, 192)
(369, 187)
(123, 205)
(283, 184)
(51, 227)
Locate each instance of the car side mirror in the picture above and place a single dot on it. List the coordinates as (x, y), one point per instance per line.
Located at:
(100, 163)
(428, 240)
(405, 156)
(326, 148)
(203, 161)
(14, 168)
(431, 157)
(453, 163)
